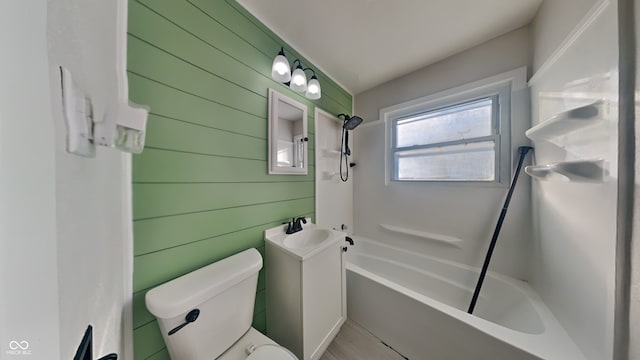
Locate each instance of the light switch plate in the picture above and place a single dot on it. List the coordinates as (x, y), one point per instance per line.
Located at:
(78, 116)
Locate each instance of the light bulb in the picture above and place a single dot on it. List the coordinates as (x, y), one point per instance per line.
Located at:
(280, 70)
(313, 89)
(298, 80)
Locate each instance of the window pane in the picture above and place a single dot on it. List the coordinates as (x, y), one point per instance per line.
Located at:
(472, 162)
(463, 121)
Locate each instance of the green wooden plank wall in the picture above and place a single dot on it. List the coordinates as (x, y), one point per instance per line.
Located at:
(201, 191)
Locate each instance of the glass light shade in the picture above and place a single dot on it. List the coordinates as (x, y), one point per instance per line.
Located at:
(298, 80)
(313, 89)
(280, 70)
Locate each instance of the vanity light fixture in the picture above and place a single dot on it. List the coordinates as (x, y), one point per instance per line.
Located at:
(297, 81)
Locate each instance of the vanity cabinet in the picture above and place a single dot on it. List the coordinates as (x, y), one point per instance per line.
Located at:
(306, 302)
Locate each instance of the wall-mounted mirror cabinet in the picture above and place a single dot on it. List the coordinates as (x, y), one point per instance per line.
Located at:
(287, 135)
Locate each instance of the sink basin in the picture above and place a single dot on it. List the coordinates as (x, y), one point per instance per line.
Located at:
(306, 238)
(304, 244)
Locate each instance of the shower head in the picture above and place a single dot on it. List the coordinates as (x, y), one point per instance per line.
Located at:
(350, 122)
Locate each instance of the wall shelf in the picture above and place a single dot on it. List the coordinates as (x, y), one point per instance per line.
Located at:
(330, 153)
(570, 171)
(569, 121)
(328, 175)
(443, 239)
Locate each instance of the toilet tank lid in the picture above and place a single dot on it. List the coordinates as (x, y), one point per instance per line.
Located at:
(190, 290)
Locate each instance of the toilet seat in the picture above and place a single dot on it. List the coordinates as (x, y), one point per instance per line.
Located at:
(271, 352)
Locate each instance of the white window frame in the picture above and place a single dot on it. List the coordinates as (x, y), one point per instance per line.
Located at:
(503, 86)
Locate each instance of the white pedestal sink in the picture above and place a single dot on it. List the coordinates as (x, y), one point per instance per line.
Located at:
(305, 288)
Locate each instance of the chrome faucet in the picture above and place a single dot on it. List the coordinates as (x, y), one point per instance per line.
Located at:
(295, 225)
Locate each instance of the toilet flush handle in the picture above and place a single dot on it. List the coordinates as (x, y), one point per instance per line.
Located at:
(191, 317)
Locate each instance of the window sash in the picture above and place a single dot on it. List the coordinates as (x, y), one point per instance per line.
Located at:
(445, 110)
(427, 155)
(495, 137)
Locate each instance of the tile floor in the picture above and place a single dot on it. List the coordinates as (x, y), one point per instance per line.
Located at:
(353, 342)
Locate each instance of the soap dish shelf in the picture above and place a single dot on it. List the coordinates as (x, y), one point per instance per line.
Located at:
(442, 239)
(572, 171)
(569, 121)
(328, 153)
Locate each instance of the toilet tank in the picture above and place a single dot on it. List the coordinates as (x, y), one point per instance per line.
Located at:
(224, 293)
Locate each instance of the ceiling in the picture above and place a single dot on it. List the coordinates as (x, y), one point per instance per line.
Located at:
(364, 43)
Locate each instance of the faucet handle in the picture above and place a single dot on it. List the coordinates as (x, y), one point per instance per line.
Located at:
(289, 226)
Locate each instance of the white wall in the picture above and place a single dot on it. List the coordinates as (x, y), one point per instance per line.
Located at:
(28, 262)
(92, 208)
(501, 54)
(465, 211)
(555, 19)
(65, 220)
(573, 261)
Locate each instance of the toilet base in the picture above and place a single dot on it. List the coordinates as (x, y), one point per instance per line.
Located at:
(238, 351)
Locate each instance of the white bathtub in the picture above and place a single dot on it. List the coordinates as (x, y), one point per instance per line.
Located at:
(417, 305)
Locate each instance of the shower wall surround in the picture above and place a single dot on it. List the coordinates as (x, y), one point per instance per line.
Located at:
(201, 191)
(573, 258)
(464, 211)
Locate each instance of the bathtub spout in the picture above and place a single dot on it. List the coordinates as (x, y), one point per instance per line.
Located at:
(349, 240)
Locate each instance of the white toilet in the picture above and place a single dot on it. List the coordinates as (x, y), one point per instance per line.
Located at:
(216, 304)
